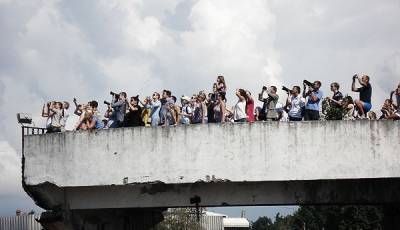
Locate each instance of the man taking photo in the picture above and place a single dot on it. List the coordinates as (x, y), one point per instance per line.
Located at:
(313, 96)
(296, 104)
(119, 111)
(364, 103)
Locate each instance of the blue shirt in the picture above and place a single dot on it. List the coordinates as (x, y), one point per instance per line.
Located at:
(155, 110)
(99, 123)
(314, 105)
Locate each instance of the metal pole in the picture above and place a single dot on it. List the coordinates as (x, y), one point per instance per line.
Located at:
(22, 140)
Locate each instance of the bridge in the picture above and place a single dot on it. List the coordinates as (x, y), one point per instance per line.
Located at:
(138, 172)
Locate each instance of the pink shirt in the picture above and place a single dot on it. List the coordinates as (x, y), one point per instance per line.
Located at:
(250, 110)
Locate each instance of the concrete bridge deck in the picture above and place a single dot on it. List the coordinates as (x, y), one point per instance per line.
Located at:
(266, 163)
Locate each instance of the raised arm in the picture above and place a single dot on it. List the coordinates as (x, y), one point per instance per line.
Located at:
(45, 111)
(75, 102)
(118, 103)
(241, 98)
(353, 85)
(260, 98)
(304, 90)
(91, 124)
(81, 118)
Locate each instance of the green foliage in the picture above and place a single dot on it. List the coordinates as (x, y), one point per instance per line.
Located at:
(332, 112)
(179, 219)
(263, 223)
(327, 218)
(283, 223)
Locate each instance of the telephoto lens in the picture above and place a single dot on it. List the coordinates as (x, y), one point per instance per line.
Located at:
(107, 103)
(284, 88)
(308, 83)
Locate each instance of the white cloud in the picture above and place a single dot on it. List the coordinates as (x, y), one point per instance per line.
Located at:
(10, 170)
(12, 196)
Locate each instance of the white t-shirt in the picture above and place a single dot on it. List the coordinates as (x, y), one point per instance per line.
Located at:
(297, 104)
(240, 111)
(70, 120)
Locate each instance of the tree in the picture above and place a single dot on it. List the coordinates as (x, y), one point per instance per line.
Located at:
(262, 223)
(332, 112)
(338, 217)
(179, 219)
(283, 222)
(327, 218)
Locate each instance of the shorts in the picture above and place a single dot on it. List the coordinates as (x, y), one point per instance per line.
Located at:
(367, 107)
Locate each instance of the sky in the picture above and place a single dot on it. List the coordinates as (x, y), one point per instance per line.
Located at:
(58, 50)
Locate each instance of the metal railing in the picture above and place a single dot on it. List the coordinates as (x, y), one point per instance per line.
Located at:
(28, 130)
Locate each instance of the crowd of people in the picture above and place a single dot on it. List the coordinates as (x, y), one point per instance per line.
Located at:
(165, 110)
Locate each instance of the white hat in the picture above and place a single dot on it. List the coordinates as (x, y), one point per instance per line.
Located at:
(185, 98)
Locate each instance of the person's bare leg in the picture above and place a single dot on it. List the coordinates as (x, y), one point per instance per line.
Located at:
(360, 106)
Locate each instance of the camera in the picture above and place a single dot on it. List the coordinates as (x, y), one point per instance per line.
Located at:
(308, 83)
(115, 95)
(284, 88)
(355, 76)
(107, 103)
(264, 88)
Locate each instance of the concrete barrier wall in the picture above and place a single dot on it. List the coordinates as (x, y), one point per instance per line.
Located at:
(265, 151)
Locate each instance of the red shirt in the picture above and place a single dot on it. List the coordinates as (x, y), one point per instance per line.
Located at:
(250, 110)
